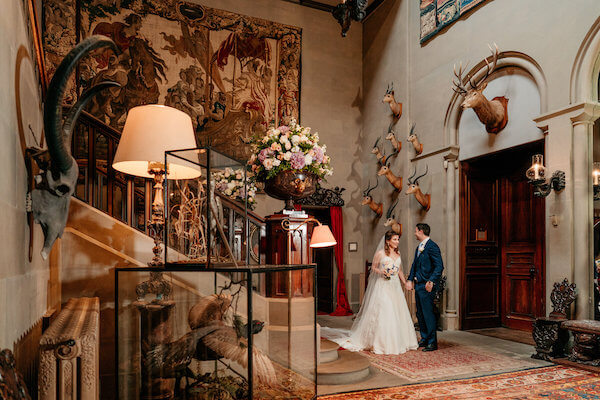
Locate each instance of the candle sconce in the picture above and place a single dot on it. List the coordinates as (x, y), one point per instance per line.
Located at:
(536, 175)
(596, 180)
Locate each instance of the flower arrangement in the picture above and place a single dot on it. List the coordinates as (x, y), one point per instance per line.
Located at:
(389, 270)
(231, 183)
(290, 147)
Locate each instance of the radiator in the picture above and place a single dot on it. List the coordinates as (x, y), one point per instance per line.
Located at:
(69, 353)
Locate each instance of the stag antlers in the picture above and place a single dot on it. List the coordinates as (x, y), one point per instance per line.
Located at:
(368, 200)
(492, 113)
(413, 188)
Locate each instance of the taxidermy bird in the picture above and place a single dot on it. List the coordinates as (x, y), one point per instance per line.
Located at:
(227, 341)
(242, 329)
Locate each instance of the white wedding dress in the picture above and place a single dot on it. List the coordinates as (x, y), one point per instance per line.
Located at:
(384, 324)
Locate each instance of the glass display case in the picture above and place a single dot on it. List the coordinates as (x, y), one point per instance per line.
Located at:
(187, 335)
(209, 218)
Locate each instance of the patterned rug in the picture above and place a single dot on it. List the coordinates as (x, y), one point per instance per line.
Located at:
(451, 359)
(549, 383)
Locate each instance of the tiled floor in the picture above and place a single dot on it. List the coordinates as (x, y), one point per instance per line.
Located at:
(380, 379)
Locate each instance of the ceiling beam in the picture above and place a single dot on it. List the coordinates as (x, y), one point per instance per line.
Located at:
(329, 8)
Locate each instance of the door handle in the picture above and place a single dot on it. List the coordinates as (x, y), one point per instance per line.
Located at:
(532, 270)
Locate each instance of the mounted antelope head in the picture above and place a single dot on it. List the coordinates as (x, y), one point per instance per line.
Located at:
(391, 136)
(368, 200)
(492, 113)
(413, 188)
(389, 98)
(412, 138)
(396, 181)
(391, 220)
(375, 150)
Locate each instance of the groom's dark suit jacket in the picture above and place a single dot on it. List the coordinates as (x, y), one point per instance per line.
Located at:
(429, 265)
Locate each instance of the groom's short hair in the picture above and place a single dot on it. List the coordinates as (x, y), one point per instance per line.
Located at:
(424, 228)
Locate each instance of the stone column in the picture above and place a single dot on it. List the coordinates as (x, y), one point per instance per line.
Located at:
(452, 269)
(583, 211)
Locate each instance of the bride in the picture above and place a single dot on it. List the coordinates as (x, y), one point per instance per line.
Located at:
(383, 324)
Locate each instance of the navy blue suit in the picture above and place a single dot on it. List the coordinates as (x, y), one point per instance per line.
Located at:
(427, 266)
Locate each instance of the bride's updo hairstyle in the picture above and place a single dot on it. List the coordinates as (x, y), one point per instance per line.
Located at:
(386, 247)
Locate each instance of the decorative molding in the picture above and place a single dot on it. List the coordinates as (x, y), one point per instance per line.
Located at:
(324, 197)
(449, 149)
(584, 73)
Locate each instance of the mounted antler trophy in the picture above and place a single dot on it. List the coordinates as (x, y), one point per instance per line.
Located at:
(492, 113)
(413, 188)
(368, 200)
(396, 181)
(412, 138)
(391, 136)
(381, 157)
(391, 220)
(394, 105)
(49, 201)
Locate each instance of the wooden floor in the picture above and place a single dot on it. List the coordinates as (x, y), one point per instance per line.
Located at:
(506, 334)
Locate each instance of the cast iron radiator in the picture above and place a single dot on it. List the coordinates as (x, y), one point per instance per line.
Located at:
(69, 353)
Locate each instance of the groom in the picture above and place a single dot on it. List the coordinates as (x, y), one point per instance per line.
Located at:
(425, 272)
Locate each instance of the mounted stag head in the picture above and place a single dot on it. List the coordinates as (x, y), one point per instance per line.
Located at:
(391, 220)
(413, 188)
(49, 201)
(412, 138)
(492, 113)
(391, 136)
(389, 98)
(368, 200)
(396, 181)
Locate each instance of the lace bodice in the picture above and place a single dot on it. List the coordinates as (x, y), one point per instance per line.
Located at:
(397, 262)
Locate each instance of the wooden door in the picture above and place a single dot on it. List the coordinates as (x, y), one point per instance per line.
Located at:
(523, 232)
(502, 242)
(481, 272)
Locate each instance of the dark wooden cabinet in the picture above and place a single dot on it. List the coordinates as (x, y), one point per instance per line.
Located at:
(280, 243)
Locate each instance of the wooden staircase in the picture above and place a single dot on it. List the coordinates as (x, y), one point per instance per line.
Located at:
(340, 367)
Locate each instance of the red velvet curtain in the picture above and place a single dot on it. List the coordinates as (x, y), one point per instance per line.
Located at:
(337, 228)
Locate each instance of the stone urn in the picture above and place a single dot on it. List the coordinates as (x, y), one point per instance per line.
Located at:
(291, 185)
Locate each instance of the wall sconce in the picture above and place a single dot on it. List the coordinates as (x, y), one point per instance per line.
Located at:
(596, 180)
(536, 175)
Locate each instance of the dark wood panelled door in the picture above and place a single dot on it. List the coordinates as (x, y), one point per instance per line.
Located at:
(502, 242)
(481, 274)
(522, 253)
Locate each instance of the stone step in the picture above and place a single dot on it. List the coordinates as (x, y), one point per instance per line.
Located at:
(328, 351)
(350, 367)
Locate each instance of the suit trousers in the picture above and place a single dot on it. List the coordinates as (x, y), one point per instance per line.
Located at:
(425, 314)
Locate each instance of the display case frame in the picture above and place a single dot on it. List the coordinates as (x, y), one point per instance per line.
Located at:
(250, 273)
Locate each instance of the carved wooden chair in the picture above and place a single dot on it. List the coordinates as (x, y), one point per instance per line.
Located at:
(12, 384)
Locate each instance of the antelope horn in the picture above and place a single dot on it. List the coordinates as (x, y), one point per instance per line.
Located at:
(59, 151)
(80, 105)
(416, 180)
(414, 173)
(391, 209)
(376, 142)
(371, 189)
(412, 129)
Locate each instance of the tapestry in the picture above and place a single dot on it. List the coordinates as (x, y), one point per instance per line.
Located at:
(549, 383)
(436, 14)
(234, 75)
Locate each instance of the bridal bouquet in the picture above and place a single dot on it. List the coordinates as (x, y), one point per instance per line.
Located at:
(389, 270)
(290, 147)
(231, 183)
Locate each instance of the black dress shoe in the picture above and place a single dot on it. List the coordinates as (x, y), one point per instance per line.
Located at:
(422, 343)
(430, 347)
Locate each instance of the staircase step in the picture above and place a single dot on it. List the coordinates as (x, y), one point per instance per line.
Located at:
(328, 351)
(350, 367)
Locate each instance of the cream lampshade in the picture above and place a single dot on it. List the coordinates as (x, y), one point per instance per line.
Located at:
(322, 237)
(149, 131)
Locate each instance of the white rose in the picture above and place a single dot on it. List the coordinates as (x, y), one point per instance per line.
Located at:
(308, 159)
(276, 162)
(288, 145)
(231, 185)
(295, 149)
(268, 163)
(287, 155)
(295, 140)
